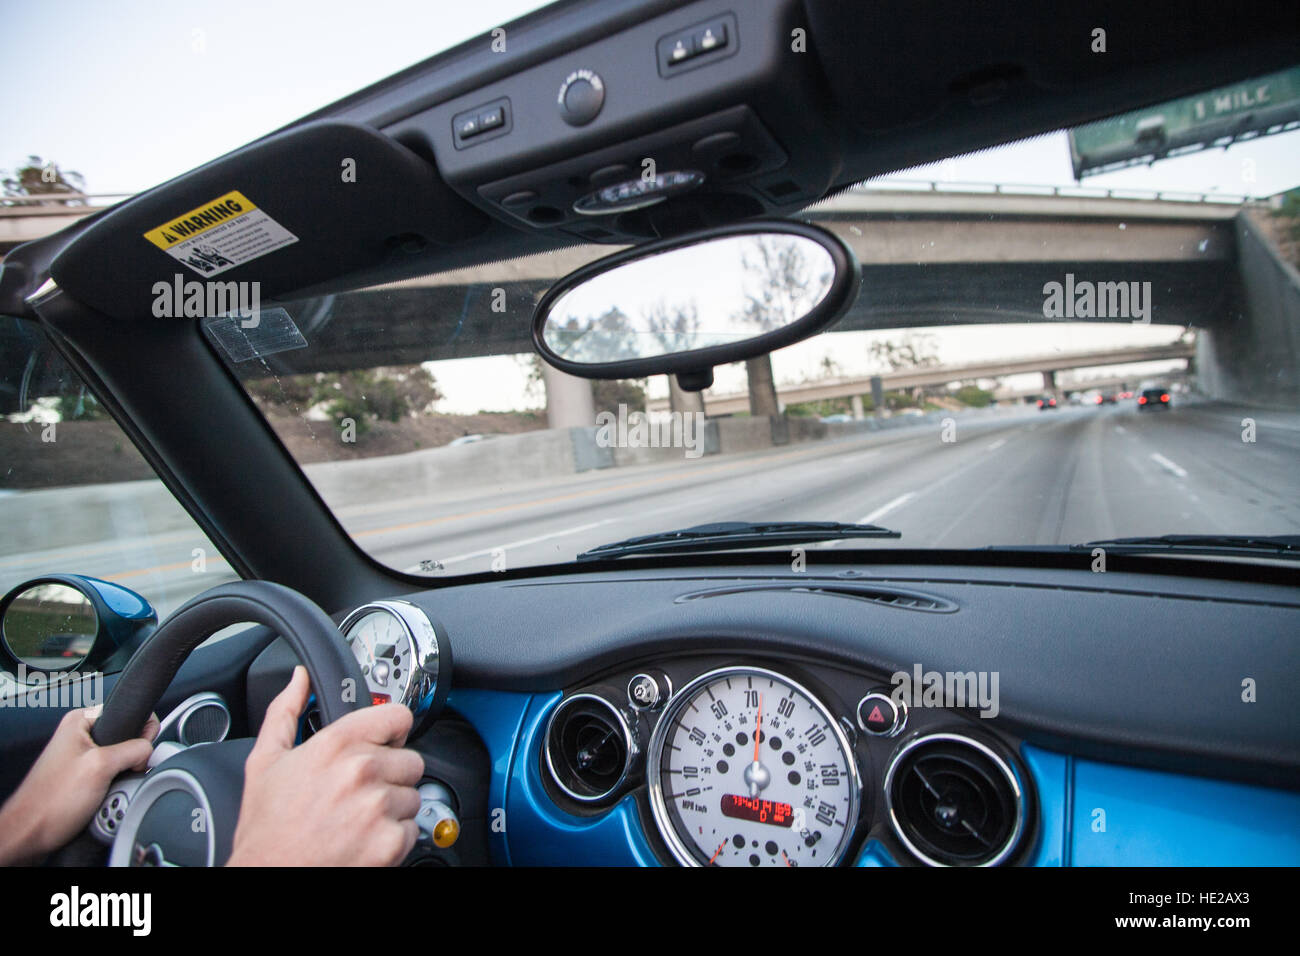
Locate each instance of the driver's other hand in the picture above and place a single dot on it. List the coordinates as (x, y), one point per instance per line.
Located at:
(65, 786)
(346, 797)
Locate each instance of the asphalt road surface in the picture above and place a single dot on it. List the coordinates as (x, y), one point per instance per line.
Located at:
(1022, 477)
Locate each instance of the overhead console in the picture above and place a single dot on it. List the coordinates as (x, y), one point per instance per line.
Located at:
(689, 119)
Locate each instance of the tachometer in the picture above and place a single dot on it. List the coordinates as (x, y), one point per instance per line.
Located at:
(400, 654)
(747, 768)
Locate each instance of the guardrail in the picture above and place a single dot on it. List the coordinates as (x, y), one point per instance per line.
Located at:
(60, 202)
(1038, 189)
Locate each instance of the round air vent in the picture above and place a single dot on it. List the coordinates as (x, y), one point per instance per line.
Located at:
(954, 801)
(589, 747)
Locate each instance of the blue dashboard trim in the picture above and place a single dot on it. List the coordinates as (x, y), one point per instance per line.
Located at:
(874, 854)
(498, 717)
(541, 834)
(1051, 784)
(1152, 818)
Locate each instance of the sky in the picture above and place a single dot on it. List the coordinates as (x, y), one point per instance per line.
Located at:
(135, 92)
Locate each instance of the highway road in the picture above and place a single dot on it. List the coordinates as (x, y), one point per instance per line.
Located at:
(1020, 477)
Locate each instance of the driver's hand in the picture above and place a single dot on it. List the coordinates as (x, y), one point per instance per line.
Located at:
(65, 787)
(346, 797)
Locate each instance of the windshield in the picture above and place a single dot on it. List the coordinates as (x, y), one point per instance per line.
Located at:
(1030, 361)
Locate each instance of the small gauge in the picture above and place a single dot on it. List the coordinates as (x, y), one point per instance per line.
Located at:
(402, 655)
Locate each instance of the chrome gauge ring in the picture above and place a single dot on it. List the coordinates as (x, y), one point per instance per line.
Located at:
(399, 650)
(748, 768)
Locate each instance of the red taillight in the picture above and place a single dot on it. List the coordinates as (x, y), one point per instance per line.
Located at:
(1164, 398)
(1040, 403)
(1052, 402)
(1098, 400)
(1142, 400)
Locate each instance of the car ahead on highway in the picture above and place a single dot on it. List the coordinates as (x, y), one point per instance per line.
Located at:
(655, 620)
(1150, 398)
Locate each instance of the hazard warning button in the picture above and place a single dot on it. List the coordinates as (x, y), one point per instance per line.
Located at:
(879, 716)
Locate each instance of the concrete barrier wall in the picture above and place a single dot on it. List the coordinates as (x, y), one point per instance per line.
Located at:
(478, 466)
(65, 517)
(1253, 354)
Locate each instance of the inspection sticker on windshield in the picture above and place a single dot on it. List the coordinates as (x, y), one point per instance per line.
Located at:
(220, 235)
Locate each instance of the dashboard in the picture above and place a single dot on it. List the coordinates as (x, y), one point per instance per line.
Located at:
(781, 763)
(909, 714)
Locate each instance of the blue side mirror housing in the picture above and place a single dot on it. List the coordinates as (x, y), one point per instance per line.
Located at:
(72, 622)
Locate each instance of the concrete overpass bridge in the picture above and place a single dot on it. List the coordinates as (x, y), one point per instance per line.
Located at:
(1048, 365)
(932, 254)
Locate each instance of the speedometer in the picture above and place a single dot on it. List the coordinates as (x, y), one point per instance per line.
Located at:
(747, 768)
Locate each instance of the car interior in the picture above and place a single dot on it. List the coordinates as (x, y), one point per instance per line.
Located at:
(740, 691)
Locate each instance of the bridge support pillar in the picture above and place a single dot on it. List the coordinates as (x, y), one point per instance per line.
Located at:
(762, 387)
(856, 404)
(680, 400)
(569, 400)
(1049, 382)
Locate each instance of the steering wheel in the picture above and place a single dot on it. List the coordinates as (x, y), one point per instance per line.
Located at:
(185, 811)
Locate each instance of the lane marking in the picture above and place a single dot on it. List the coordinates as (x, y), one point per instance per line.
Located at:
(886, 508)
(524, 542)
(1121, 429)
(1168, 465)
(997, 444)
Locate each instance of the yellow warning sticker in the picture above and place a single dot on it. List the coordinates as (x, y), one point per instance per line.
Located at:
(220, 235)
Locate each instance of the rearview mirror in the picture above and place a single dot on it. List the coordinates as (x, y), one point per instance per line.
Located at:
(685, 305)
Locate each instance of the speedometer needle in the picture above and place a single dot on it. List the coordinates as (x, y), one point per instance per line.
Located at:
(717, 851)
(754, 786)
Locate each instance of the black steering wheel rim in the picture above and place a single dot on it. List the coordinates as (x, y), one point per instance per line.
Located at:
(335, 675)
(212, 776)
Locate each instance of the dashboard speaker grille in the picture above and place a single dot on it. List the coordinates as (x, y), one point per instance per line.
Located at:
(207, 723)
(588, 747)
(955, 801)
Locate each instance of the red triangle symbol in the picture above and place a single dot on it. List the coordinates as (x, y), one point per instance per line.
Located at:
(876, 717)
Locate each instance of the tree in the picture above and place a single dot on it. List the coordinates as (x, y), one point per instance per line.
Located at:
(293, 392)
(913, 351)
(386, 393)
(608, 394)
(40, 178)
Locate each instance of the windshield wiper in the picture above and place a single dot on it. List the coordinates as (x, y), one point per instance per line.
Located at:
(1238, 544)
(724, 535)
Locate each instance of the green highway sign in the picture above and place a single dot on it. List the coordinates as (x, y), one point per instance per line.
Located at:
(1268, 104)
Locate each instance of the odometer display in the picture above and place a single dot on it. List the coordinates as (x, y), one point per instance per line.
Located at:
(747, 768)
(757, 811)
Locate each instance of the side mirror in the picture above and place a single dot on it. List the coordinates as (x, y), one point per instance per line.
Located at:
(684, 305)
(69, 622)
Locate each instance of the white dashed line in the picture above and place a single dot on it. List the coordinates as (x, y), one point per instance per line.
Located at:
(515, 544)
(1168, 465)
(997, 444)
(886, 508)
